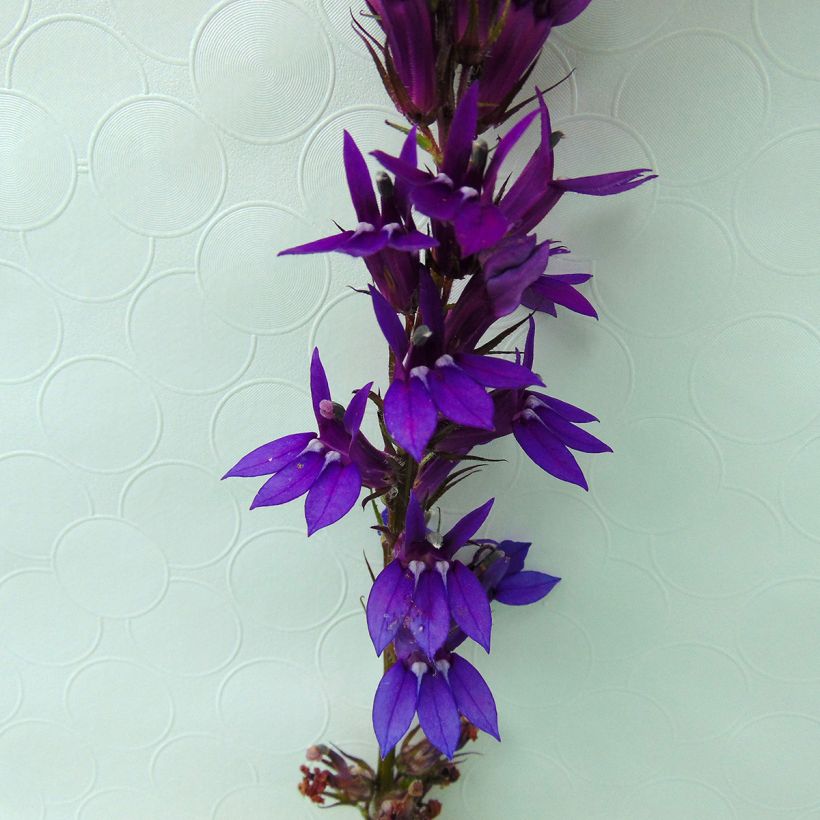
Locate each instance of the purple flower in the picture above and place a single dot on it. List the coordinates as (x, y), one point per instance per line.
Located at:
(536, 192)
(386, 237)
(409, 67)
(505, 578)
(545, 427)
(439, 692)
(553, 289)
(331, 467)
(417, 596)
(428, 380)
(463, 194)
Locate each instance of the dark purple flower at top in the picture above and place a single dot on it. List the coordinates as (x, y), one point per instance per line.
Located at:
(527, 24)
(386, 237)
(331, 467)
(409, 71)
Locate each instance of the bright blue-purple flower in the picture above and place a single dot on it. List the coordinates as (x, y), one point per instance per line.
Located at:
(506, 580)
(439, 692)
(330, 467)
(428, 381)
(418, 602)
(546, 428)
(419, 595)
(463, 193)
(386, 236)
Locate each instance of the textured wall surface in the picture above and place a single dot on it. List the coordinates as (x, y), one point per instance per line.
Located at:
(164, 653)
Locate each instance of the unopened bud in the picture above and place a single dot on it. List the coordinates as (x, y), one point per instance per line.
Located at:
(420, 335)
(416, 789)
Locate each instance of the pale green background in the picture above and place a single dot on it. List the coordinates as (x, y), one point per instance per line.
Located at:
(164, 653)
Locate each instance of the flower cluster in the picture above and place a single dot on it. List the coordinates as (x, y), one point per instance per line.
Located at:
(451, 248)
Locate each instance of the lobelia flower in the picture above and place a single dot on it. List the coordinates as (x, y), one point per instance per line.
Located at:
(331, 467)
(545, 427)
(386, 237)
(463, 194)
(413, 603)
(428, 380)
(439, 692)
(505, 579)
(408, 70)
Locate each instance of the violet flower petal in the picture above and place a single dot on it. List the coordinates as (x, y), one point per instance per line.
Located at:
(516, 551)
(544, 292)
(574, 437)
(271, 457)
(332, 495)
(319, 388)
(290, 482)
(469, 605)
(366, 242)
(472, 695)
(462, 132)
(465, 528)
(415, 527)
(389, 323)
(411, 241)
(459, 398)
(569, 411)
(402, 169)
(507, 143)
(394, 706)
(479, 226)
(355, 410)
(523, 588)
(410, 415)
(389, 599)
(493, 372)
(529, 345)
(438, 713)
(359, 182)
(324, 245)
(606, 184)
(437, 200)
(548, 452)
(428, 618)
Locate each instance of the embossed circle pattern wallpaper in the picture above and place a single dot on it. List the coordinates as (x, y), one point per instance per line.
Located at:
(165, 653)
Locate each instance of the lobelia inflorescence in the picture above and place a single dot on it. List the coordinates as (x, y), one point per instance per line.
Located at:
(453, 70)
